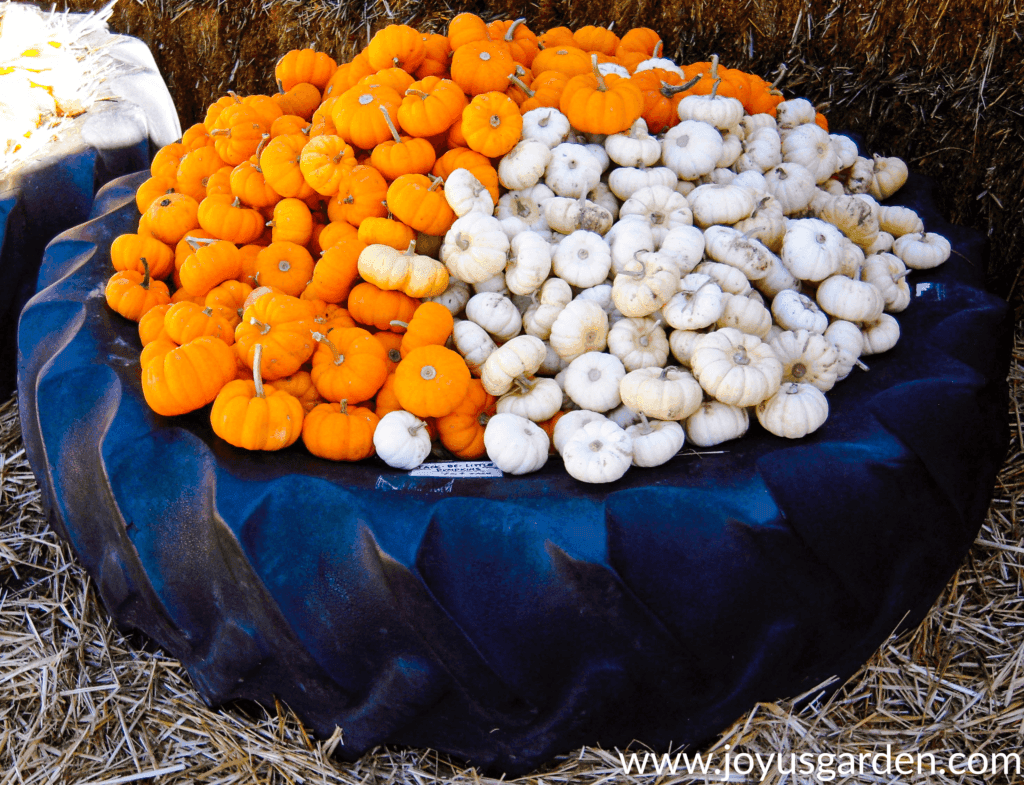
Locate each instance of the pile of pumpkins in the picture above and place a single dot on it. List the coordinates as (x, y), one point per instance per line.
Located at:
(495, 243)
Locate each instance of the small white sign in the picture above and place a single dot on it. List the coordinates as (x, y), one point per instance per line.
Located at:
(459, 469)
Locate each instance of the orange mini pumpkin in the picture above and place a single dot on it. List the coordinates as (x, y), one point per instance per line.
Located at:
(283, 325)
(601, 104)
(462, 431)
(430, 106)
(252, 416)
(431, 381)
(285, 266)
(369, 305)
(188, 377)
(348, 364)
(418, 200)
(360, 195)
(338, 432)
(396, 45)
(482, 67)
(128, 250)
(304, 65)
(491, 124)
(357, 116)
(401, 154)
(132, 293)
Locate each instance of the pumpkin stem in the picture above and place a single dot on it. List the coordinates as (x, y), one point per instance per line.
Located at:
(221, 132)
(428, 372)
(411, 250)
(391, 125)
(521, 85)
(902, 275)
(669, 90)
(418, 93)
(740, 356)
(792, 388)
(237, 202)
(645, 424)
(657, 50)
(257, 377)
(339, 358)
(483, 418)
(461, 242)
(601, 85)
(774, 86)
(343, 403)
(259, 150)
(512, 28)
(198, 242)
(399, 323)
(207, 311)
(524, 383)
(495, 121)
(435, 182)
(145, 267)
(861, 365)
(264, 327)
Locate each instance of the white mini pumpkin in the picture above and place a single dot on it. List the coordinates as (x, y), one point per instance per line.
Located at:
(655, 442)
(401, 440)
(922, 250)
(592, 381)
(514, 444)
(669, 393)
(691, 149)
(529, 263)
(638, 343)
(812, 249)
(545, 124)
(583, 259)
(521, 356)
(598, 452)
(573, 170)
(715, 422)
(532, 398)
(581, 326)
(795, 311)
(735, 367)
(524, 165)
(475, 247)
(474, 344)
(794, 411)
(495, 313)
(465, 193)
(634, 147)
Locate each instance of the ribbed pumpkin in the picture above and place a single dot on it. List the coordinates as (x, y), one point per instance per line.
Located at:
(492, 124)
(396, 45)
(132, 293)
(601, 104)
(370, 305)
(482, 67)
(225, 217)
(128, 250)
(414, 274)
(462, 431)
(348, 364)
(357, 115)
(418, 200)
(304, 65)
(431, 381)
(188, 377)
(283, 325)
(252, 416)
(339, 432)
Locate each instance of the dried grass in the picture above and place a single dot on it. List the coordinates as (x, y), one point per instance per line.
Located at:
(80, 702)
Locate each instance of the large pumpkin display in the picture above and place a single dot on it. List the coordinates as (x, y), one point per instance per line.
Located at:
(461, 606)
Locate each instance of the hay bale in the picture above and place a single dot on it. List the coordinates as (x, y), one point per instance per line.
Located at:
(930, 81)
